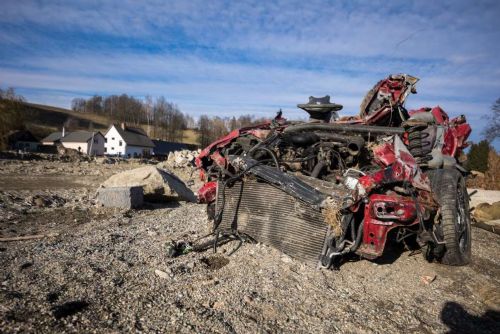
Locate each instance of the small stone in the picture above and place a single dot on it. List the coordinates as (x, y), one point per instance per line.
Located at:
(428, 279)
(161, 274)
(218, 305)
(247, 299)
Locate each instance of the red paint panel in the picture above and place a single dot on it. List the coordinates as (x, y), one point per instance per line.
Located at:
(207, 193)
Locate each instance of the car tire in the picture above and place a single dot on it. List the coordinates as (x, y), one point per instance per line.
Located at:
(453, 222)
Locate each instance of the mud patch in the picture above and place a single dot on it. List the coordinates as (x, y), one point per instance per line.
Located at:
(27, 182)
(50, 221)
(214, 262)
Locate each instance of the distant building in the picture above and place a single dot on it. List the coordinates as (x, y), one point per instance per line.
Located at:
(23, 140)
(52, 139)
(163, 148)
(127, 141)
(87, 142)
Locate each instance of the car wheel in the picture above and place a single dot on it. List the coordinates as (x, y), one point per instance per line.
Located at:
(453, 223)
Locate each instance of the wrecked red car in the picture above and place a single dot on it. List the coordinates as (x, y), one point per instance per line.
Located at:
(333, 186)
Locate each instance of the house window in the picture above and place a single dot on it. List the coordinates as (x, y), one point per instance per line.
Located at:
(112, 138)
(105, 149)
(120, 143)
(112, 149)
(96, 141)
(105, 140)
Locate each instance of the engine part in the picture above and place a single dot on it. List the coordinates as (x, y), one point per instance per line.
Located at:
(301, 139)
(367, 129)
(320, 109)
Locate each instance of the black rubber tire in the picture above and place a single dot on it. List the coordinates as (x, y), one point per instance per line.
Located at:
(454, 222)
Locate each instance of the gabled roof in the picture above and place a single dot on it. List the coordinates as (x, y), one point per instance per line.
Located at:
(54, 136)
(25, 135)
(79, 136)
(134, 136)
(163, 147)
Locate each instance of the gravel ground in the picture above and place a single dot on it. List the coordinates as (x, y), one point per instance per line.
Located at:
(108, 271)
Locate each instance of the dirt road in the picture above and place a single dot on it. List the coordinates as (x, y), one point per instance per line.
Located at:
(108, 271)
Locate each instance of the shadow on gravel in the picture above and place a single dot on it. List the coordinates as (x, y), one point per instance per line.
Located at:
(459, 320)
(394, 250)
(170, 203)
(69, 308)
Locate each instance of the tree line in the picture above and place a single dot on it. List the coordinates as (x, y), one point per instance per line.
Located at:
(163, 118)
(11, 116)
(211, 128)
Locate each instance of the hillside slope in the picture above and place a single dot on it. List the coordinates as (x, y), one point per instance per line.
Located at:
(41, 120)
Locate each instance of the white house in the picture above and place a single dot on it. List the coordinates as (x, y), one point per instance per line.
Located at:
(91, 143)
(127, 141)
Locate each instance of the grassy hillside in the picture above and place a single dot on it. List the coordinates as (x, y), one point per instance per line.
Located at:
(41, 120)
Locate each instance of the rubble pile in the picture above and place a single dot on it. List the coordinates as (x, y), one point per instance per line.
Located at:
(181, 159)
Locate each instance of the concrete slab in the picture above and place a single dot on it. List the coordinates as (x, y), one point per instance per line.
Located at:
(121, 197)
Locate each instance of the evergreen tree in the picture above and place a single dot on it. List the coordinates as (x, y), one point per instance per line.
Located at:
(477, 159)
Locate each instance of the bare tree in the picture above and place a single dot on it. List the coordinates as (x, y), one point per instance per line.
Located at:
(10, 95)
(492, 131)
(78, 104)
(204, 124)
(148, 109)
(190, 122)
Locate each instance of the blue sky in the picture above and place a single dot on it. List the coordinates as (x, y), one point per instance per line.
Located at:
(238, 57)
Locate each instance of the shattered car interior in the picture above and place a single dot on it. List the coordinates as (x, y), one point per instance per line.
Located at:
(332, 186)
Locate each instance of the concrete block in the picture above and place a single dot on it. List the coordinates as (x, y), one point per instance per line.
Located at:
(121, 197)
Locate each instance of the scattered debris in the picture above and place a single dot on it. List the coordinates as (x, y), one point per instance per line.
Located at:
(181, 159)
(177, 248)
(491, 226)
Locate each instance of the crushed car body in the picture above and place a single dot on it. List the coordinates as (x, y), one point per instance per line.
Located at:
(333, 186)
